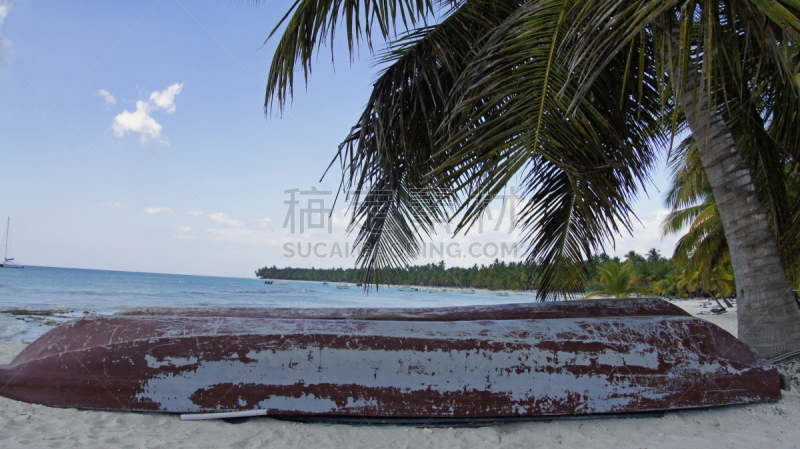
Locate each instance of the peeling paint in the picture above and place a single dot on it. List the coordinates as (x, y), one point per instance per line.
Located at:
(152, 362)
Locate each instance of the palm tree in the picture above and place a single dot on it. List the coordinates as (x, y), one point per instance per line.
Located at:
(668, 284)
(571, 98)
(616, 280)
(634, 258)
(643, 274)
(722, 281)
(692, 204)
(654, 256)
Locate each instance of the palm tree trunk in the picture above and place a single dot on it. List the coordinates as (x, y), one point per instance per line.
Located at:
(769, 318)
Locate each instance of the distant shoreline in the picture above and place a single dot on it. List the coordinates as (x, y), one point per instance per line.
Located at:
(421, 288)
(497, 276)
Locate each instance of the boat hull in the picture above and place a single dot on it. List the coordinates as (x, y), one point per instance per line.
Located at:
(358, 363)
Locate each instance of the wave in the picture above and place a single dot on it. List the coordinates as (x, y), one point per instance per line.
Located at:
(11, 326)
(257, 292)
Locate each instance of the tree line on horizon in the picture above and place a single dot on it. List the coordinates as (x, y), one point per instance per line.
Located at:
(649, 274)
(498, 275)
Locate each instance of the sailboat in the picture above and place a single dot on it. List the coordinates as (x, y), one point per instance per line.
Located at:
(8, 263)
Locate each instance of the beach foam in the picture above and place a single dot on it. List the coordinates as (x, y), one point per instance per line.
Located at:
(10, 326)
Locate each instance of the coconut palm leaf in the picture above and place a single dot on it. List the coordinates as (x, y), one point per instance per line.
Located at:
(579, 199)
(316, 21)
(393, 148)
(617, 281)
(578, 172)
(689, 181)
(765, 31)
(721, 279)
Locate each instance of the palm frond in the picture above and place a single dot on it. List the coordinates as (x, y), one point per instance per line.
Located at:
(580, 170)
(393, 148)
(315, 22)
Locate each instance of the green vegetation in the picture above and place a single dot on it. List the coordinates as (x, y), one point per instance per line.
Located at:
(616, 280)
(497, 276)
(636, 274)
(35, 312)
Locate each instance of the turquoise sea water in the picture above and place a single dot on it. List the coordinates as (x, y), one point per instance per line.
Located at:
(73, 292)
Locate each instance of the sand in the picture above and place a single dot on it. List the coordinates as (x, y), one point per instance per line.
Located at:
(767, 425)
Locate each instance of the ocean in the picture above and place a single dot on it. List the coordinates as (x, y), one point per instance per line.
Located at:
(35, 299)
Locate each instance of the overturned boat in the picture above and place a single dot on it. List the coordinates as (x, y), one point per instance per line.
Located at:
(512, 361)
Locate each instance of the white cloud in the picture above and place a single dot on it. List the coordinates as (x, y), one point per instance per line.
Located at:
(194, 213)
(248, 230)
(184, 228)
(140, 121)
(107, 97)
(262, 221)
(156, 210)
(223, 218)
(110, 203)
(166, 98)
(6, 48)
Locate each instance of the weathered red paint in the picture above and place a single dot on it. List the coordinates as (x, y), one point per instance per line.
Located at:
(587, 308)
(516, 361)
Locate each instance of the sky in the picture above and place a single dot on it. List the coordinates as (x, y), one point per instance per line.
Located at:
(133, 137)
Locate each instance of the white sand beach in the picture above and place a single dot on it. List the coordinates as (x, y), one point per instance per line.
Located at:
(773, 425)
